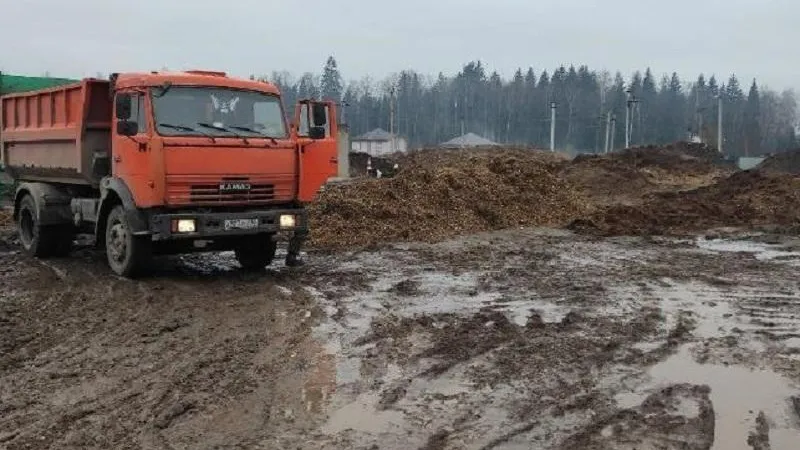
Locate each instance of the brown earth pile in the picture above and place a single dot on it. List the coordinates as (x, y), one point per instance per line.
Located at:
(788, 162)
(676, 156)
(626, 176)
(748, 198)
(443, 193)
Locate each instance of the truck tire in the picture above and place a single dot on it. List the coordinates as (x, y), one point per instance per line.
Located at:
(256, 253)
(39, 240)
(128, 255)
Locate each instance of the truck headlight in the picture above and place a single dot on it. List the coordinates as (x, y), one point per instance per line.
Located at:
(184, 226)
(288, 221)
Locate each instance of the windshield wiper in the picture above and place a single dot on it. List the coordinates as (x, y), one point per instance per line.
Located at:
(248, 129)
(227, 130)
(163, 89)
(185, 128)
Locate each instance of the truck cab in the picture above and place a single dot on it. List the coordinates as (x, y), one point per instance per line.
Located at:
(165, 163)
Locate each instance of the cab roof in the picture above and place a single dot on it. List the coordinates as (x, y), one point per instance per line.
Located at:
(193, 78)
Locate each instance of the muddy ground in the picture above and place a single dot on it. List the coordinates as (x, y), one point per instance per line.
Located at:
(460, 322)
(518, 339)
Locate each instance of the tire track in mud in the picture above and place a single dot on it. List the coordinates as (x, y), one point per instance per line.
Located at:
(182, 359)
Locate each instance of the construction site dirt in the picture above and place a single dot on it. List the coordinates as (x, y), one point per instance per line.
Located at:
(439, 309)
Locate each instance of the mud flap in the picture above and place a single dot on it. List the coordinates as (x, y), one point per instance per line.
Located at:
(52, 205)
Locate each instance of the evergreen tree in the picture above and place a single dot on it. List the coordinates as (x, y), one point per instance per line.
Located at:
(733, 116)
(331, 85)
(752, 127)
(542, 114)
(531, 107)
(617, 98)
(699, 107)
(713, 88)
(516, 109)
(431, 110)
(647, 114)
(307, 87)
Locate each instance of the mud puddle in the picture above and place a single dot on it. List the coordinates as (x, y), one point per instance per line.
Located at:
(760, 250)
(738, 396)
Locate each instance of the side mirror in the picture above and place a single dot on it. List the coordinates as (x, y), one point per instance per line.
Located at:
(319, 114)
(316, 133)
(127, 128)
(123, 106)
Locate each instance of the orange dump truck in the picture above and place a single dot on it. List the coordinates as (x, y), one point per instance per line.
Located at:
(159, 163)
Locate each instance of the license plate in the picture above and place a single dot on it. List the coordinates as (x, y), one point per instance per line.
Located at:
(241, 224)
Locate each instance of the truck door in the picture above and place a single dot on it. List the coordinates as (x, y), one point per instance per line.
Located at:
(130, 152)
(317, 135)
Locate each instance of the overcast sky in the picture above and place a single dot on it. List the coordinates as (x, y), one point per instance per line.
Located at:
(752, 38)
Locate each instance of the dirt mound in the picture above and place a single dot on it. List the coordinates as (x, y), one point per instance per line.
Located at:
(624, 177)
(439, 194)
(788, 162)
(748, 198)
(678, 155)
(606, 180)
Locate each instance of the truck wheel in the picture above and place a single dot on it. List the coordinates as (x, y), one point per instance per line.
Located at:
(256, 253)
(38, 240)
(128, 255)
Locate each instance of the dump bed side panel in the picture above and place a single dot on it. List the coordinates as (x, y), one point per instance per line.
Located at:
(50, 134)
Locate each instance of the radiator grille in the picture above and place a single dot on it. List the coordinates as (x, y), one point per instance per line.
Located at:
(196, 190)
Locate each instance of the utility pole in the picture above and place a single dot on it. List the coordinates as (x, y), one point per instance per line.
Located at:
(719, 123)
(608, 131)
(391, 118)
(631, 103)
(700, 112)
(344, 104)
(397, 114)
(553, 126)
(613, 130)
(628, 104)
(464, 116)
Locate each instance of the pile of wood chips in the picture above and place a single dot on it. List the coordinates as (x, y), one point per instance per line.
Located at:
(788, 162)
(626, 176)
(746, 199)
(440, 194)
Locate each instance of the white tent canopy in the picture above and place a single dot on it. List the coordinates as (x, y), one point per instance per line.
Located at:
(468, 140)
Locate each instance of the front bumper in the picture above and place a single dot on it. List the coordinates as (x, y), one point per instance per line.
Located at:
(211, 225)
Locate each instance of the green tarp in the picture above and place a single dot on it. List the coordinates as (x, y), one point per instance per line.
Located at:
(18, 83)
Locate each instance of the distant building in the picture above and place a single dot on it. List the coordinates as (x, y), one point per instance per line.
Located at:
(468, 140)
(378, 142)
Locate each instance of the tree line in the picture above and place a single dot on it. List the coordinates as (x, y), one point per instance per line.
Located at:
(430, 110)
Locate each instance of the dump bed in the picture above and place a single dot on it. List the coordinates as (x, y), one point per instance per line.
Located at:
(60, 134)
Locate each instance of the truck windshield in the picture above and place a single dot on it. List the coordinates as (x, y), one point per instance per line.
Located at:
(185, 110)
